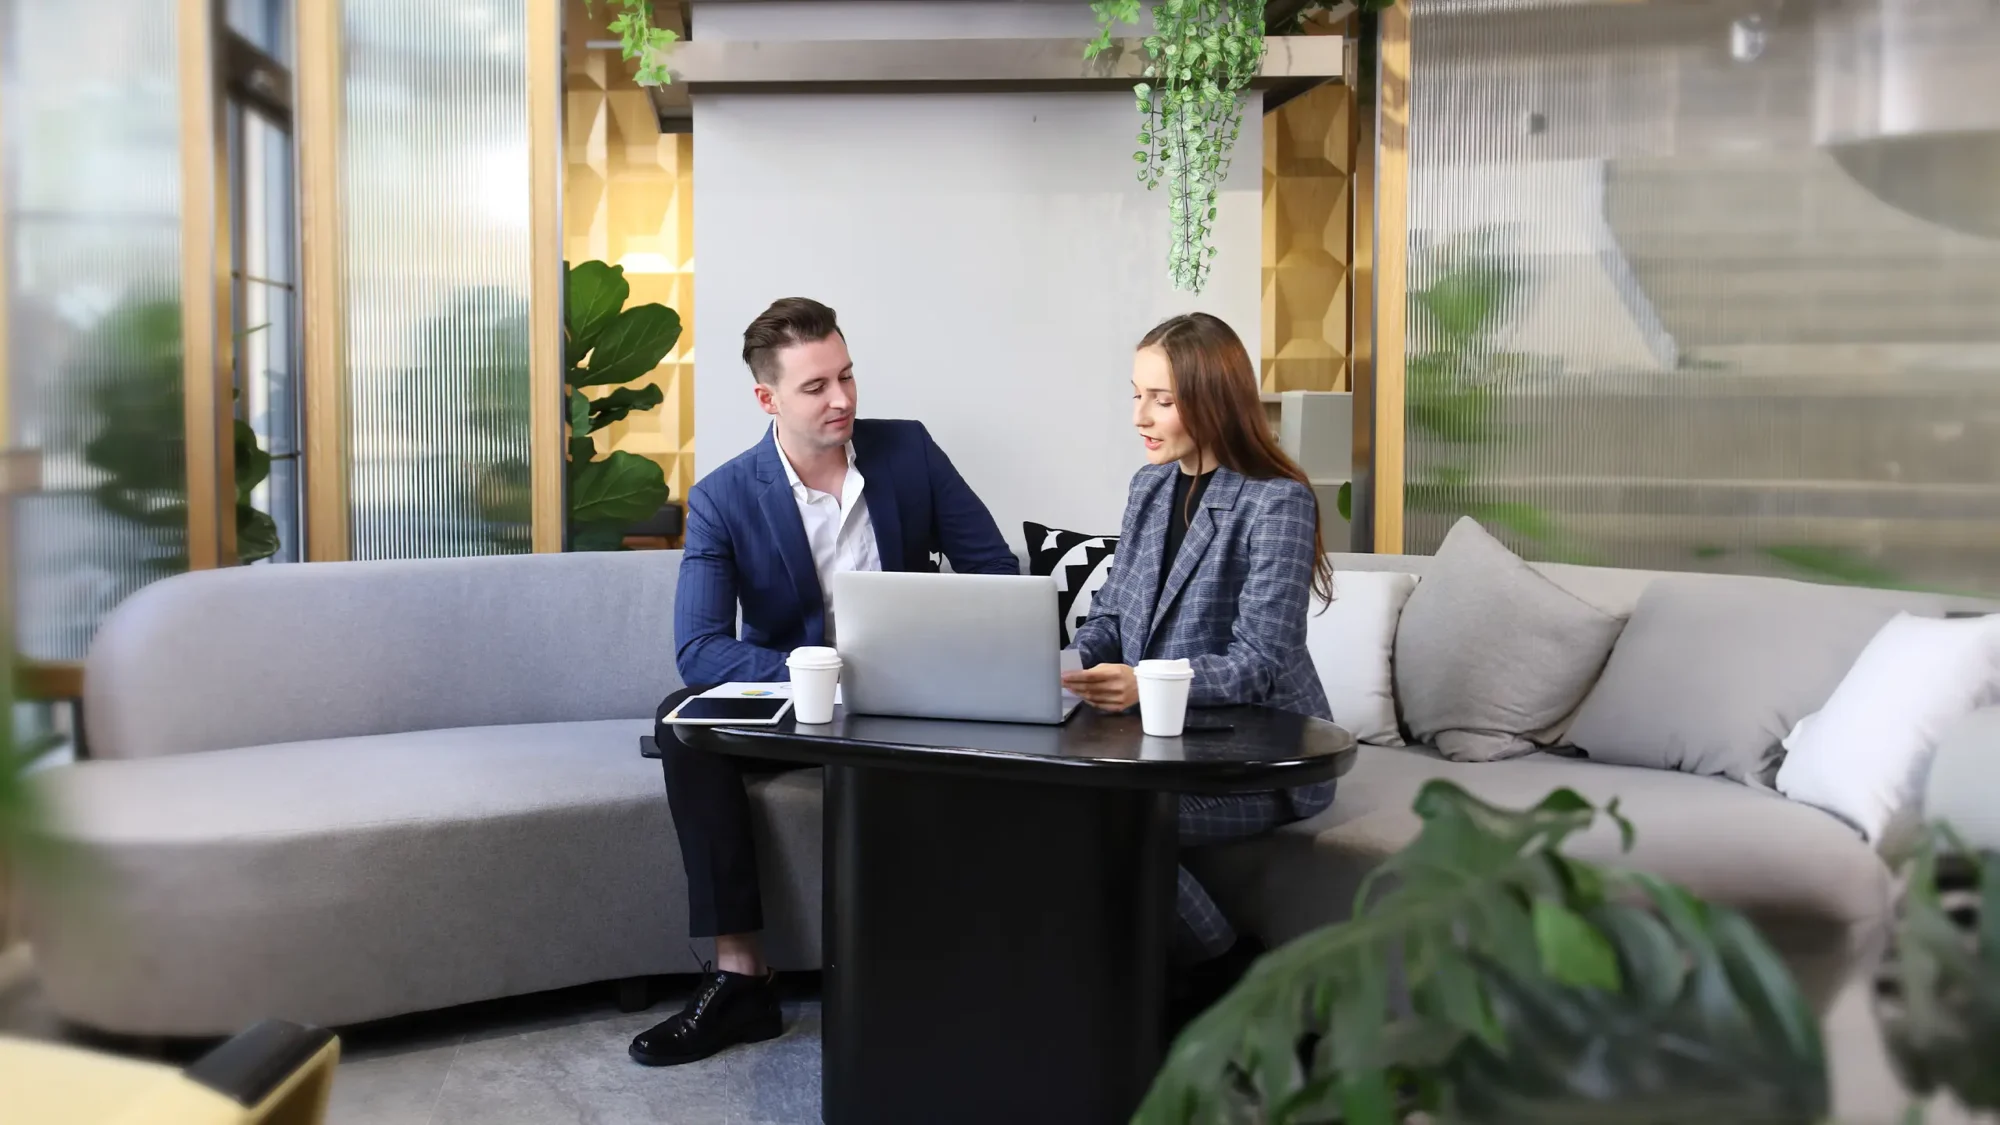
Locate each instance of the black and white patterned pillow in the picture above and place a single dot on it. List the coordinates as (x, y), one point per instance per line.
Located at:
(1079, 563)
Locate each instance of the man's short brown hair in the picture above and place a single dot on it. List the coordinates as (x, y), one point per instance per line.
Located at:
(790, 320)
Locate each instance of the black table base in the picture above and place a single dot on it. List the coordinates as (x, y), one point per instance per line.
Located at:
(996, 950)
(999, 898)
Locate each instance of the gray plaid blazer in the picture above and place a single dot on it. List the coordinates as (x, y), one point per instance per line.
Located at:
(1236, 601)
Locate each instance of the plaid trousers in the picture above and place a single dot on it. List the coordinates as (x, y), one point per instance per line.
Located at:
(1201, 931)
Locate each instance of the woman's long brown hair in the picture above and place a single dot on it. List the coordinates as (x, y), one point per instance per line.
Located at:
(1215, 392)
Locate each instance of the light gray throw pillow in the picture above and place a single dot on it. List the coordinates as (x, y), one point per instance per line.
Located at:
(1711, 674)
(1489, 653)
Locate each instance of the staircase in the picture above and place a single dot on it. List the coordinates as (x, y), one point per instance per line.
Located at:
(1834, 411)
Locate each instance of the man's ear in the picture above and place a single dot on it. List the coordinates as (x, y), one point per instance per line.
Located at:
(765, 398)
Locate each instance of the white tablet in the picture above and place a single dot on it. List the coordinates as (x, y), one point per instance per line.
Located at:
(704, 710)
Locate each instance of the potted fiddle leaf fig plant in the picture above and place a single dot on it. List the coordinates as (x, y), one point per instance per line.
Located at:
(606, 344)
(1534, 988)
(129, 366)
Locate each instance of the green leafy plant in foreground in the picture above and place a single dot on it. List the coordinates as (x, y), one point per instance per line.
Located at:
(29, 847)
(606, 344)
(1937, 996)
(1536, 988)
(24, 819)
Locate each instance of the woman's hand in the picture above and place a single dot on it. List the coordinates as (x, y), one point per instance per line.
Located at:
(1107, 687)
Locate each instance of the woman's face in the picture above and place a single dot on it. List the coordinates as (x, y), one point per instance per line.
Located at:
(1153, 412)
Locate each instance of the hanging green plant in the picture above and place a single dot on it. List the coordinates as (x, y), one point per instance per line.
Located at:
(1200, 58)
(639, 39)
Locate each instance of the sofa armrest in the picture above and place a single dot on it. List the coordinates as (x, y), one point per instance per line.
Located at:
(1964, 784)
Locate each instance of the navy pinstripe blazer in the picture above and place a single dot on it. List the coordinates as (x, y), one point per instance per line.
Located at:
(747, 545)
(1235, 602)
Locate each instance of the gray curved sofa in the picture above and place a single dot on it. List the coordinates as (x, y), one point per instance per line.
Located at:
(336, 792)
(1820, 893)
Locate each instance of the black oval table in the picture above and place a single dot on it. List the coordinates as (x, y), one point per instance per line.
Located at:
(998, 899)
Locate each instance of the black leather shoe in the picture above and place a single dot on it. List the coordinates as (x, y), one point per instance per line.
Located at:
(726, 1009)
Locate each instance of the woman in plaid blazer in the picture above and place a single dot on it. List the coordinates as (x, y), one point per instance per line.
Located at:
(1218, 561)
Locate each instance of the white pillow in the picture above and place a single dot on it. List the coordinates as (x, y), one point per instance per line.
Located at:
(1864, 755)
(1351, 645)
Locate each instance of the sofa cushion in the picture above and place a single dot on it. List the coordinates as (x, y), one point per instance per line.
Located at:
(1353, 641)
(1490, 654)
(1080, 564)
(354, 878)
(1864, 755)
(1708, 677)
(1815, 888)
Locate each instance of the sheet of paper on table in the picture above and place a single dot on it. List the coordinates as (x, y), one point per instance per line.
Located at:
(757, 691)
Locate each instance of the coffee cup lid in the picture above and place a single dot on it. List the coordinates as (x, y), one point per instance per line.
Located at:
(1165, 669)
(813, 656)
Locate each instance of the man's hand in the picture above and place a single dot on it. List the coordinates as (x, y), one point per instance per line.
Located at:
(1107, 687)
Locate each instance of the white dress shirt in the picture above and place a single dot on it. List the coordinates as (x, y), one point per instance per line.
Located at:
(837, 527)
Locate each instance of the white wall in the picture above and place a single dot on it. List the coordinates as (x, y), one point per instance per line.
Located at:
(993, 260)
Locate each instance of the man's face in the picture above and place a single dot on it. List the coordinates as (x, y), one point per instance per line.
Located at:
(813, 396)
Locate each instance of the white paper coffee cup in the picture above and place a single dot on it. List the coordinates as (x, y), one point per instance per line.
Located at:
(815, 675)
(1163, 696)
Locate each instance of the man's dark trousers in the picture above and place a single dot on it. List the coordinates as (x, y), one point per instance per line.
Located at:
(712, 818)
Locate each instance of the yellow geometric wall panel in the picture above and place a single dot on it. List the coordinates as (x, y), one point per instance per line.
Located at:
(628, 200)
(1309, 151)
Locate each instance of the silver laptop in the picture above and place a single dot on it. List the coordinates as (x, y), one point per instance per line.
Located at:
(950, 646)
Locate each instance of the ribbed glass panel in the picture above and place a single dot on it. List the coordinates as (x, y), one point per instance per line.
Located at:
(436, 166)
(92, 198)
(1692, 289)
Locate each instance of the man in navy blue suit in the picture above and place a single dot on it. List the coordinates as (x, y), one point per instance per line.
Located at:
(823, 492)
